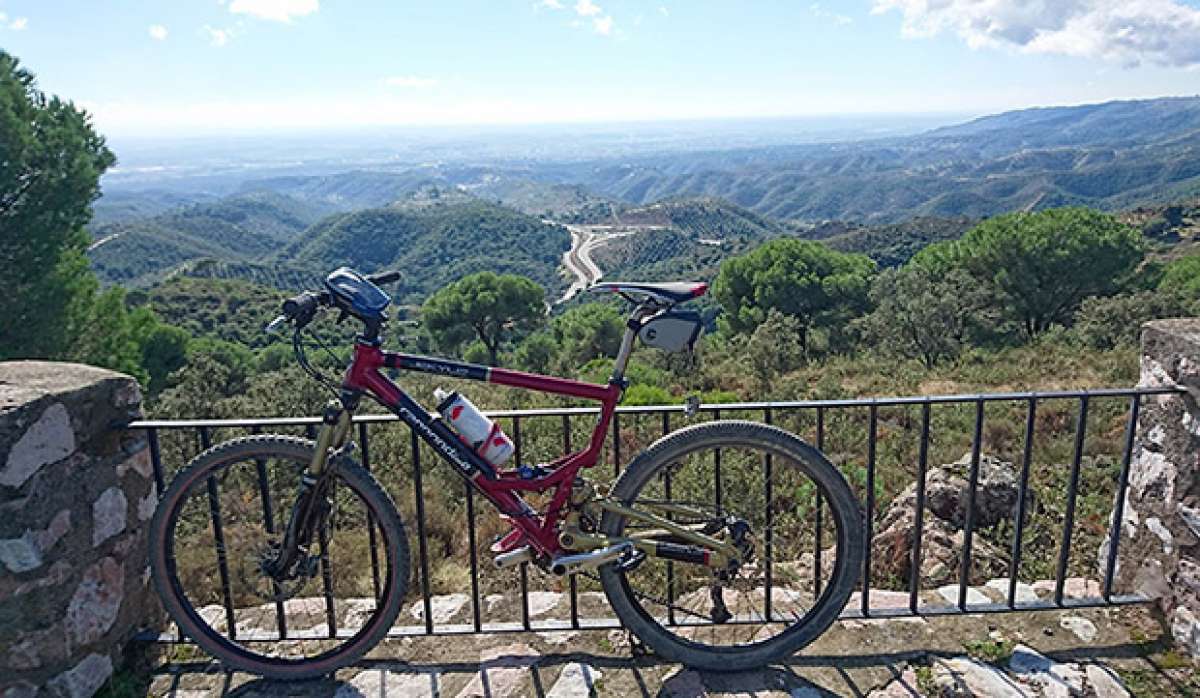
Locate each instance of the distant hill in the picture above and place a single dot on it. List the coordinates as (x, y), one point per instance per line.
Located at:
(239, 228)
(677, 239)
(434, 244)
(1106, 156)
(894, 244)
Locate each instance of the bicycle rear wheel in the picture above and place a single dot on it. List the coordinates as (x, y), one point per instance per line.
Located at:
(224, 515)
(779, 599)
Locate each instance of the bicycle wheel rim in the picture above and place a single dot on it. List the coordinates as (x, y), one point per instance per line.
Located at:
(240, 648)
(747, 632)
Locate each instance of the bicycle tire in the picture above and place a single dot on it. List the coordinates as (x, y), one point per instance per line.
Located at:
(236, 656)
(841, 504)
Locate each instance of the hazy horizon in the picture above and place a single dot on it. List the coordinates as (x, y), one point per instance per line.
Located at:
(228, 67)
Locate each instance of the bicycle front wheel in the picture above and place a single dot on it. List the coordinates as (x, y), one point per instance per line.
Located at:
(761, 488)
(223, 517)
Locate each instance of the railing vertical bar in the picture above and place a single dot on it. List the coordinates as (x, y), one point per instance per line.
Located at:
(264, 488)
(817, 538)
(476, 615)
(869, 514)
(1064, 551)
(717, 468)
(616, 437)
(524, 565)
(767, 533)
(365, 446)
(573, 583)
(1014, 560)
(327, 581)
(422, 551)
(1114, 534)
(156, 461)
(964, 570)
(666, 428)
(914, 578)
(218, 526)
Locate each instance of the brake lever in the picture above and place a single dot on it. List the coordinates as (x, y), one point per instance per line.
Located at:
(275, 324)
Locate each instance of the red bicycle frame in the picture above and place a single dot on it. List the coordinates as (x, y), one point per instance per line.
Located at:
(501, 488)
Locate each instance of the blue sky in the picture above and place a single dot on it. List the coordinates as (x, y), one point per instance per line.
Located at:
(187, 66)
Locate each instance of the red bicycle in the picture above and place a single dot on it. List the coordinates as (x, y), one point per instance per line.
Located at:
(690, 556)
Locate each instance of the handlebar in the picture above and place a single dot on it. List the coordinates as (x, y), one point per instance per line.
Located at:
(300, 309)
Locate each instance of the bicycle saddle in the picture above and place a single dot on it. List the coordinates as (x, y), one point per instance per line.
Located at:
(670, 292)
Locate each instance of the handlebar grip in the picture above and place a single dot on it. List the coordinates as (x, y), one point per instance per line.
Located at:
(385, 277)
(303, 305)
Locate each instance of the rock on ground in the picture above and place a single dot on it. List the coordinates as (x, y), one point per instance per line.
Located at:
(963, 677)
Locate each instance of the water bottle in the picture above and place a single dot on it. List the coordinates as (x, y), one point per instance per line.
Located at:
(480, 433)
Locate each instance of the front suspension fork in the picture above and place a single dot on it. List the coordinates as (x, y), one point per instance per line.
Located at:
(310, 507)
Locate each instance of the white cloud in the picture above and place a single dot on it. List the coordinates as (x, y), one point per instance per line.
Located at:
(829, 15)
(158, 32)
(19, 24)
(217, 37)
(409, 81)
(603, 25)
(275, 10)
(587, 8)
(552, 4)
(664, 11)
(1130, 32)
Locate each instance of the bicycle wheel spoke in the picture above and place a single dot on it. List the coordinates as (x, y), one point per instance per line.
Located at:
(726, 605)
(307, 608)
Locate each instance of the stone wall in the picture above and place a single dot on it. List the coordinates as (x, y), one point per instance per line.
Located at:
(1161, 523)
(75, 492)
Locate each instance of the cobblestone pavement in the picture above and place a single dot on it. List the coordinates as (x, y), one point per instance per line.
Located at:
(1080, 652)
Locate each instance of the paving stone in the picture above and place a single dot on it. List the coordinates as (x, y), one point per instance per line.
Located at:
(1079, 626)
(1025, 593)
(383, 683)
(1105, 683)
(558, 637)
(1073, 588)
(903, 687)
(974, 596)
(963, 677)
(576, 681)
(502, 673)
(443, 608)
(542, 602)
(1053, 679)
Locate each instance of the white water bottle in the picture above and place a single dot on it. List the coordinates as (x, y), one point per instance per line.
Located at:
(480, 433)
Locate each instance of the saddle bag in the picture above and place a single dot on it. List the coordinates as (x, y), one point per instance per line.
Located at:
(672, 330)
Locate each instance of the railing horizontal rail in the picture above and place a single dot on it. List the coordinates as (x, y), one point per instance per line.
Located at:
(706, 407)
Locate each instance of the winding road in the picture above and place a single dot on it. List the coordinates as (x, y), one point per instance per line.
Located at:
(584, 240)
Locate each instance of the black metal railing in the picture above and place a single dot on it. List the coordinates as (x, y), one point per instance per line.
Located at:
(1120, 409)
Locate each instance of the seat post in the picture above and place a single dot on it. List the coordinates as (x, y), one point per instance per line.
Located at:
(632, 325)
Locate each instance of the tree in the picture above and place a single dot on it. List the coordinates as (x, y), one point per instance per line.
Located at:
(1182, 276)
(1042, 265)
(774, 348)
(485, 306)
(587, 332)
(50, 165)
(816, 285)
(1106, 323)
(920, 314)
